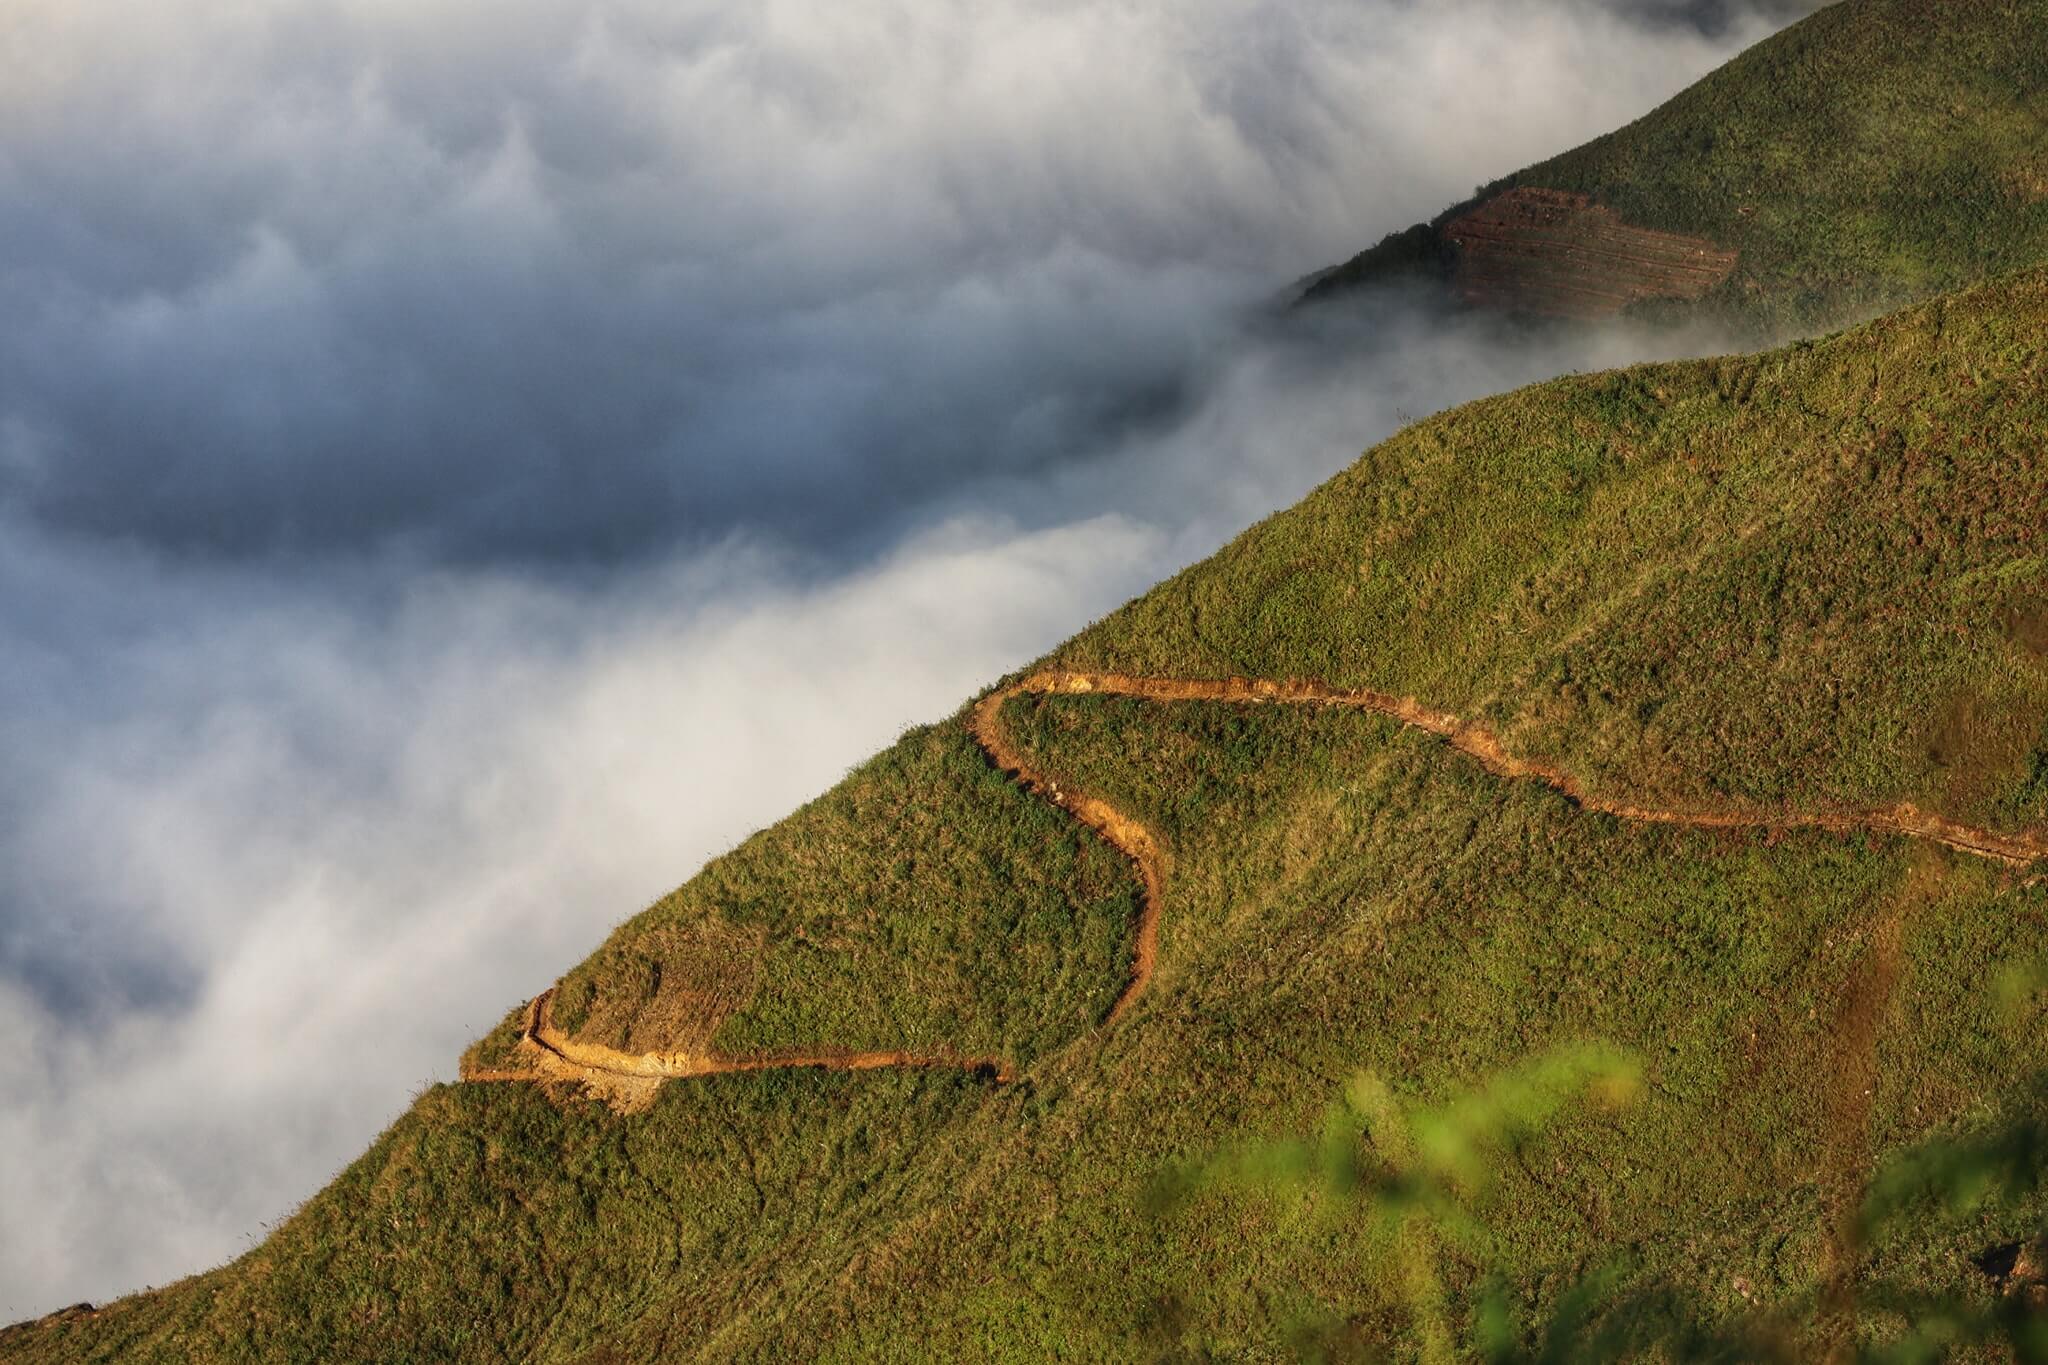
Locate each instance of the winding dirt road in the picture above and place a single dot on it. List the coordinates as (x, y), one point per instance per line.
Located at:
(629, 1079)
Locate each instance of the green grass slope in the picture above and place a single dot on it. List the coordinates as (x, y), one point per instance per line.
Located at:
(925, 904)
(1877, 152)
(1812, 580)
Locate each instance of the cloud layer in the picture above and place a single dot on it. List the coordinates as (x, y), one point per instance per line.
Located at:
(455, 475)
(583, 280)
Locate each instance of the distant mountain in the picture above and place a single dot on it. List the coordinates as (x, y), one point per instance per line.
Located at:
(1878, 152)
(1524, 893)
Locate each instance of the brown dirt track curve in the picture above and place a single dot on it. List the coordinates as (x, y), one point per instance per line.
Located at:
(628, 1080)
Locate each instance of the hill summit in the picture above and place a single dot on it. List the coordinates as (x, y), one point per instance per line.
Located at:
(1877, 152)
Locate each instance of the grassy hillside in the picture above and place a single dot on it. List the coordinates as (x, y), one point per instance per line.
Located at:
(1877, 152)
(1816, 580)
(846, 923)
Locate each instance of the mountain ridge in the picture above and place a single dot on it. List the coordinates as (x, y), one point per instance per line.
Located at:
(1761, 644)
(1874, 153)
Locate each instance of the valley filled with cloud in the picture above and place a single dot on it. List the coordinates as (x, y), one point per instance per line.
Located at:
(460, 470)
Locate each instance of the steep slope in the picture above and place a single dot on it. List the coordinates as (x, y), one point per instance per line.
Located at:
(1690, 631)
(1877, 152)
(1806, 581)
(841, 930)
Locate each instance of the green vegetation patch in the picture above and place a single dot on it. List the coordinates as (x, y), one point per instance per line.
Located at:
(1804, 580)
(1346, 895)
(490, 1223)
(923, 904)
(1342, 894)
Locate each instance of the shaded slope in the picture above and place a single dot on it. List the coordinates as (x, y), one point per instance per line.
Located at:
(1842, 539)
(1876, 152)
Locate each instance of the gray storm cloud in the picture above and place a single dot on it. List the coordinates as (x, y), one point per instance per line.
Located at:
(459, 471)
(578, 281)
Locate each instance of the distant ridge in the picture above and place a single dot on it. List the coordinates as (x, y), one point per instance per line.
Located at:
(1561, 255)
(1876, 152)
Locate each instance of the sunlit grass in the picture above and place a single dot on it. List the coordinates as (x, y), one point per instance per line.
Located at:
(1878, 152)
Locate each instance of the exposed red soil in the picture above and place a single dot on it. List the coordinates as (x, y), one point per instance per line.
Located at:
(1560, 254)
(628, 1079)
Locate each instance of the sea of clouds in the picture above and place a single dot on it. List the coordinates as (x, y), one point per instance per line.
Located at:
(462, 466)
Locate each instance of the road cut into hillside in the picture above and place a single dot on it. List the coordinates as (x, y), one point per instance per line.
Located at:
(629, 1080)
